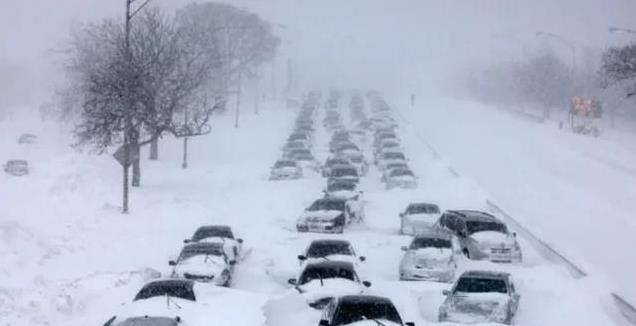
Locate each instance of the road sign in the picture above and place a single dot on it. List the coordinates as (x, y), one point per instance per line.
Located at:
(120, 154)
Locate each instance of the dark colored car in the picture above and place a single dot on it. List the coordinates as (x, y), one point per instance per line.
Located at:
(351, 309)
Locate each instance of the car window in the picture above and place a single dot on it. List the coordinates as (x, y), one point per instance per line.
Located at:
(177, 289)
(352, 312)
(481, 285)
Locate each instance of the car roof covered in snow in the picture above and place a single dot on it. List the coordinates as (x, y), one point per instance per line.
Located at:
(470, 215)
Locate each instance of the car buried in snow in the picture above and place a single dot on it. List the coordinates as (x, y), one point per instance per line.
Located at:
(343, 173)
(418, 218)
(481, 297)
(327, 215)
(401, 178)
(320, 282)
(361, 310)
(387, 158)
(482, 236)
(429, 257)
(17, 167)
(285, 170)
(330, 250)
(332, 162)
(219, 234)
(203, 262)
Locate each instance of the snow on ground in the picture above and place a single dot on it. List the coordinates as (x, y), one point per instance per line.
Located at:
(70, 258)
(576, 193)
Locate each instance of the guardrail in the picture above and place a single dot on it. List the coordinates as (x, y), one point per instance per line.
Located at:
(624, 307)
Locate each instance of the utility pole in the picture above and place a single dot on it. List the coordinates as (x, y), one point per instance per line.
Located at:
(128, 123)
(238, 100)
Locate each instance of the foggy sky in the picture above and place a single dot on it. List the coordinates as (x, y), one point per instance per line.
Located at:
(388, 44)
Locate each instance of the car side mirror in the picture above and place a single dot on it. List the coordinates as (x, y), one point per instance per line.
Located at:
(409, 323)
(363, 258)
(239, 240)
(172, 263)
(367, 284)
(292, 281)
(446, 292)
(301, 257)
(514, 234)
(232, 262)
(323, 323)
(187, 241)
(404, 248)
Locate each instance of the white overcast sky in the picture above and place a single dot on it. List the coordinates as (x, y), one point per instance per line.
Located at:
(377, 42)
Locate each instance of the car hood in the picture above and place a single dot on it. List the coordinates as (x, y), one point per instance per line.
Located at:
(348, 258)
(199, 265)
(320, 216)
(493, 239)
(330, 287)
(288, 169)
(479, 305)
(430, 256)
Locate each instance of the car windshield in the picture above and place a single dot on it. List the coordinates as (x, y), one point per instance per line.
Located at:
(481, 285)
(328, 205)
(419, 243)
(423, 209)
(338, 186)
(346, 172)
(401, 172)
(178, 289)
(304, 157)
(317, 250)
(319, 272)
(210, 249)
(203, 233)
(480, 226)
(285, 164)
(394, 156)
(352, 312)
(149, 321)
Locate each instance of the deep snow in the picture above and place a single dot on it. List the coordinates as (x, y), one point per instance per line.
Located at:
(70, 258)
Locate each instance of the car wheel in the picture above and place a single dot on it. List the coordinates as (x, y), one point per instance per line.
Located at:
(228, 278)
(466, 253)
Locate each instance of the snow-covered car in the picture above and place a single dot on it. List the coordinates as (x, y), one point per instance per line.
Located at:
(203, 262)
(187, 303)
(390, 157)
(305, 160)
(343, 173)
(482, 236)
(343, 189)
(430, 257)
(361, 310)
(295, 144)
(357, 160)
(480, 297)
(418, 218)
(27, 139)
(17, 167)
(285, 170)
(321, 282)
(401, 178)
(359, 136)
(331, 250)
(219, 234)
(326, 215)
(332, 162)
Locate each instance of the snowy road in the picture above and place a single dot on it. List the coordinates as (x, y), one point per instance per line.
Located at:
(227, 184)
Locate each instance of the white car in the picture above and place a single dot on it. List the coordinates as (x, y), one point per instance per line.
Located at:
(330, 250)
(326, 215)
(219, 234)
(188, 303)
(286, 170)
(387, 158)
(429, 257)
(203, 262)
(418, 218)
(321, 282)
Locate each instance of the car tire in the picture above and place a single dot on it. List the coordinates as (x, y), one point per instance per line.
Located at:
(466, 253)
(228, 278)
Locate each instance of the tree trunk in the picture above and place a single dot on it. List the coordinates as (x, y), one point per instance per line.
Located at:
(136, 173)
(154, 149)
(184, 165)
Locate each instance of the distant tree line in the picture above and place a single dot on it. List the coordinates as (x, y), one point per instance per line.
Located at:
(169, 76)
